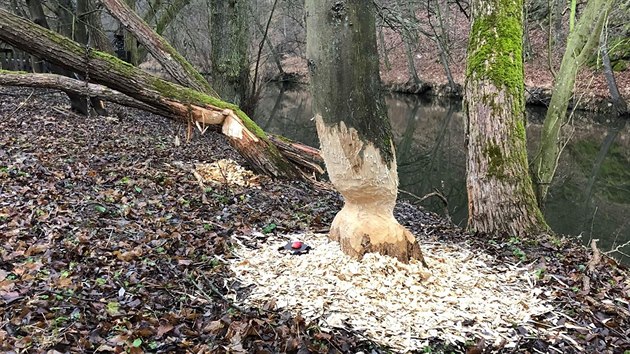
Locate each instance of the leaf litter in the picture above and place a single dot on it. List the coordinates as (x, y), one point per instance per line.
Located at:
(109, 244)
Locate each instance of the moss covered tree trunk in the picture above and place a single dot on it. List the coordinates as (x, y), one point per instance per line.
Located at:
(187, 104)
(580, 44)
(500, 193)
(176, 65)
(353, 128)
(229, 36)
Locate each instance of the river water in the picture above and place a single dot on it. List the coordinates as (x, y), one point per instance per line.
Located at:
(589, 197)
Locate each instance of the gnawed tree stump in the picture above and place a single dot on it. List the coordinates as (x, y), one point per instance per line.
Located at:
(369, 186)
(354, 130)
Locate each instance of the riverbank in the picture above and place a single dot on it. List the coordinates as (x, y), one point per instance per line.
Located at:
(591, 91)
(110, 244)
(540, 66)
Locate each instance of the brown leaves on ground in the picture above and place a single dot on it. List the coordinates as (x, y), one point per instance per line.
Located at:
(107, 238)
(109, 244)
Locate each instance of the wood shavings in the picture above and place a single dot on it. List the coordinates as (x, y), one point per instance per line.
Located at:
(225, 171)
(399, 305)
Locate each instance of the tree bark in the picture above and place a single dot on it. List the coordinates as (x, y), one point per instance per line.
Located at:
(619, 104)
(580, 45)
(36, 12)
(353, 128)
(500, 194)
(131, 43)
(98, 38)
(82, 36)
(180, 69)
(229, 53)
(77, 102)
(78, 87)
(196, 107)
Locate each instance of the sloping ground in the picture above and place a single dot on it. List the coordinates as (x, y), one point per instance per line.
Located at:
(110, 244)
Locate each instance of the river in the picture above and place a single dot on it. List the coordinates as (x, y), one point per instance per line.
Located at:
(588, 199)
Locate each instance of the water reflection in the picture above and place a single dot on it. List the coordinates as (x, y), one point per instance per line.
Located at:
(589, 197)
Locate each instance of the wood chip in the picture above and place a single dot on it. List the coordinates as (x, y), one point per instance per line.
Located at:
(395, 304)
(225, 171)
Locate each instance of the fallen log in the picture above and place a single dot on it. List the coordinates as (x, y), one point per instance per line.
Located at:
(187, 104)
(75, 87)
(308, 158)
(180, 69)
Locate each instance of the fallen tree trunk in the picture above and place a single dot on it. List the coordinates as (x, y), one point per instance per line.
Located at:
(174, 64)
(308, 158)
(76, 87)
(187, 104)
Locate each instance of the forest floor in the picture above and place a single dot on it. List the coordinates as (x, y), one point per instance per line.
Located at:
(109, 244)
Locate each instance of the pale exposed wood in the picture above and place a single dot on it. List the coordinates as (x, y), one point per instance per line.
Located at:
(369, 186)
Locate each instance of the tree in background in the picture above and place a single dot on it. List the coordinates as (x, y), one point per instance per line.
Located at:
(74, 28)
(500, 193)
(229, 54)
(580, 45)
(353, 128)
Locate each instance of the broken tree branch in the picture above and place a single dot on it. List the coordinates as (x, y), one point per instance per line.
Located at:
(76, 87)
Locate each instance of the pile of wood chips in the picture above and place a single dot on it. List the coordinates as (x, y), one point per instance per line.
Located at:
(459, 298)
(225, 172)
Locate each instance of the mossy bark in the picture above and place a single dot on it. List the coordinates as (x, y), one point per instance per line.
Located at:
(500, 193)
(176, 65)
(353, 128)
(580, 44)
(131, 43)
(229, 36)
(188, 104)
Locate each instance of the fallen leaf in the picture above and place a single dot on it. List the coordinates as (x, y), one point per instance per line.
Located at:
(213, 327)
(164, 328)
(9, 296)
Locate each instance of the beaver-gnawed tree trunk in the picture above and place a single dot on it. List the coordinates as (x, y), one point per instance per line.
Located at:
(500, 193)
(353, 128)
